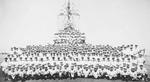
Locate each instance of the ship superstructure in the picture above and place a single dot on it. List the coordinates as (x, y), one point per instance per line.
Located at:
(71, 56)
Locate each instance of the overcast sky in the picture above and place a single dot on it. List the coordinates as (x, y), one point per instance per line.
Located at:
(114, 22)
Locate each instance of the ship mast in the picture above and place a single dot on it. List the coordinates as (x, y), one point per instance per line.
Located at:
(69, 14)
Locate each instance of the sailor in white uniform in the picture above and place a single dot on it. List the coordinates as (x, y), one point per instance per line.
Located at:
(72, 72)
(13, 74)
(142, 72)
(86, 72)
(134, 73)
(96, 73)
(78, 71)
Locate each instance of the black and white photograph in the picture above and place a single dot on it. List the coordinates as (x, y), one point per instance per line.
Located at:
(74, 40)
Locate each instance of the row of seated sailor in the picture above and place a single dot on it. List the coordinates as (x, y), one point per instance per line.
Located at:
(75, 70)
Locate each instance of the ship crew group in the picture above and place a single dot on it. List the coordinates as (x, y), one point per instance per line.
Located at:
(97, 62)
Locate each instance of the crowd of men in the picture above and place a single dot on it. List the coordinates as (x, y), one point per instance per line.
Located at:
(61, 62)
